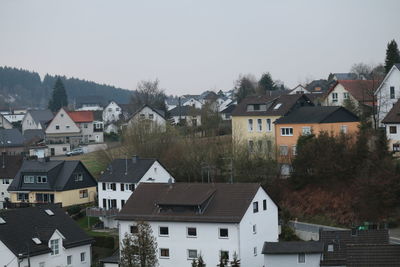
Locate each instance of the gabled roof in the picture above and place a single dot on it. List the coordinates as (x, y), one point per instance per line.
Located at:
(394, 114)
(276, 106)
(11, 166)
(319, 86)
(33, 135)
(81, 116)
(41, 116)
(11, 138)
(59, 175)
(395, 66)
(361, 90)
(224, 203)
(184, 111)
(229, 109)
(373, 255)
(21, 225)
(318, 114)
(293, 247)
(345, 76)
(159, 112)
(126, 170)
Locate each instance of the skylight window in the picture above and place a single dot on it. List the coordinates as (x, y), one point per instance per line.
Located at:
(277, 106)
(36, 241)
(49, 212)
(2, 221)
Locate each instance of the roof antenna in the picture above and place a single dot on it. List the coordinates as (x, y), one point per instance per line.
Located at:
(126, 165)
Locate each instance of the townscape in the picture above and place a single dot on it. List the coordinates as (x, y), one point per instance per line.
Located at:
(261, 174)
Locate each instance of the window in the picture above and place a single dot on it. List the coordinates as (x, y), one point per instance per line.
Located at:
(83, 193)
(251, 146)
(104, 186)
(345, 95)
(283, 150)
(122, 187)
(28, 179)
(64, 149)
(104, 203)
(260, 145)
(255, 207)
(396, 147)
(224, 254)
(109, 109)
(254, 229)
(277, 106)
(54, 246)
(142, 116)
(22, 196)
(301, 258)
(122, 203)
(393, 129)
(151, 116)
(250, 125)
(392, 93)
(306, 130)
(223, 233)
(78, 177)
(192, 254)
(117, 109)
(259, 125)
(343, 129)
(67, 126)
(191, 231)
(83, 256)
(264, 204)
(255, 251)
(132, 187)
(85, 125)
(334, 97)
(288, 131)
(134, 229)
(163, 231)
(294, 150)
(69, 260)
(330, 248)
(6, 181)
(41, 179)
(164, 253)
(269, 125)
(57, 127)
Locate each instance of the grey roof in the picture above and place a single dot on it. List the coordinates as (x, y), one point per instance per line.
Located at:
(184, 111)
(393, 115)
(21, 225)
(11, 166)
(114, 258)
(41, 116)
(11, 138)
(31, 135)
(160, 112)
(229, 109)
(373, 255)
(293, 247)
(59, 175)
(345, 76)
(397, 66)
(318, 114)
(116, 171)
(319, 86)
(172, 101)
(189, 202)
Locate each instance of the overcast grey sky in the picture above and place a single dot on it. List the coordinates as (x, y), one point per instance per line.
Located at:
(192, 46)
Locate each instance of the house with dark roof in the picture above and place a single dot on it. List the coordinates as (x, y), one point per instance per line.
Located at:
(226, 113)
(253, 119)
(36, 119)
(307, 120)
(9, 166)
(42, 236)
(344, 76)
(118, 182)
(212, 219)
(299, 89)
(392, 127)
(295, 253)
(53, 181)
(150, 115)
(388, 92)
(186, 114)
(12, 142)
(4, 123)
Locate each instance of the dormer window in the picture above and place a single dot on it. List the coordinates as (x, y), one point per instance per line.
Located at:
(277, 106)
(41, 179)
(55, 246)
(78, 177)
(29, 179)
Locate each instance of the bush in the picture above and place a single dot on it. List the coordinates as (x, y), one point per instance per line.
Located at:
(104, 242)
(287, 234)
(74, 210)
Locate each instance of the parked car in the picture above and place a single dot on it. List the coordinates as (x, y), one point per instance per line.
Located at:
(75, 151)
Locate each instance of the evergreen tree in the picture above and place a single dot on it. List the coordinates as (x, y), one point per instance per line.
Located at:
(266, 84)
(244, 88)
(392, 55)
(59, 97)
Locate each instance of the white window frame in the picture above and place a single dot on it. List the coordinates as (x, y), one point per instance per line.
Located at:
(259, 125)
(84, 256)
(219, 233)
(294, 150)
(283, 150)
(250, 127)
(55, 246)
(254, 228)
(343, 129)
(345, 95)
(255, 251)
(187, 232)
(301, 258)
(69, 260)
(334, 97)
(286, 131)
(188, 254)
(31, 179)
(306, 130)
(159, 231)
(164, 257)
(269, 125)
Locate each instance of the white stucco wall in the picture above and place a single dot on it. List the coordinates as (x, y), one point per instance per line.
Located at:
(385, 103)
(3, 190)
(28, 123)
(392, 137)
(340, 90)
(192, 102)
(111, 112)
(64, 122)
(146, 111)
(291, 260)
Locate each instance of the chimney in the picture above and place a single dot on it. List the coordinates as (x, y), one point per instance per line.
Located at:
(135, 159)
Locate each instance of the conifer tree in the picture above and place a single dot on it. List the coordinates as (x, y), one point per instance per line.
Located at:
(266, 84)
(392, 55)
(59, 97)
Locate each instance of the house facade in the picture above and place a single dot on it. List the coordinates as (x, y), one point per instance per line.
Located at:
(186, 114)
(45, 181)
(192, 101)
(211, 220)
(4, 123)
(391, 123)
(36, 119)
(12, 142)
(9, 166)
(299, 89)
(42, 236)
(150, 115)
(388, 92)
(112, 112)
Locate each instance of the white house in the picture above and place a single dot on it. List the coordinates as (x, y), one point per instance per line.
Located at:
(192, 101)
(9, 167)
(36, 119)
(388, 92)
(122, 176)
(112, 112)
(299, 89)
(5, 123)
(291, 254)
(213, 220)
(148, 114)
(44, 237)
(391, 123)
(189, 114)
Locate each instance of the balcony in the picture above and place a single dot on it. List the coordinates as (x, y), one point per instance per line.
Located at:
(100, 212)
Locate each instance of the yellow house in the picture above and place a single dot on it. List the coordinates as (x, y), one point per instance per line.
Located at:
(58, 181)
(253, 119)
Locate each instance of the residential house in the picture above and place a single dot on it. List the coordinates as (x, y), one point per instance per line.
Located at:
(226, 114)
(253, 119)
(213, 220)
(186, 114)
(9, 166)
(392, 127)
(359, 92)
(4, 123)
(171, 102)
(90, 103)
(343, 76)
(42, 236)
(319, 86)
(295, 253)
(299, 89)
(35, 142)
(191, 100)
(12, 142)
(388, 93)
(36, 119)
(372, 255)
(226, 103)
(58, 181)
(112, 112)
(307, 120)
(91, 127)
(119, 181)
(14, 115)
(154, 116)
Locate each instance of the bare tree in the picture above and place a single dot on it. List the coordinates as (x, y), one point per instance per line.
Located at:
(148, 93)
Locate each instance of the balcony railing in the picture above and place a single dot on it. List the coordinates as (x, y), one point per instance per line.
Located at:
(100, 212)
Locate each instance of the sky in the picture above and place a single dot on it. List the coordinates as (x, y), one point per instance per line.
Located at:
(193, 46)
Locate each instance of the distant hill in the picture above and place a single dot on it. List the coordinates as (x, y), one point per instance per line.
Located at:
(20, 87)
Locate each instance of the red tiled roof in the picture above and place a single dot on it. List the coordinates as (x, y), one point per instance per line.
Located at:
(81, 116)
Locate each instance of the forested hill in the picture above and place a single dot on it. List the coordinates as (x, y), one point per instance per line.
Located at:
(25, 88)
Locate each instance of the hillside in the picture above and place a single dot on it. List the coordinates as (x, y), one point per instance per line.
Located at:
(22, 88)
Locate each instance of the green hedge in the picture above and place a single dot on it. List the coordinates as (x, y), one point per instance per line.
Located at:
(104, 241)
